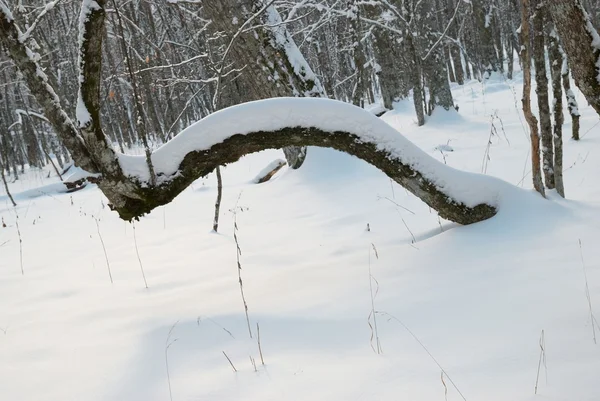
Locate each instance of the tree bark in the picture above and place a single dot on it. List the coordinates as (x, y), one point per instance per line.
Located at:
(536, 172)
(267, 61)
(541, 79)
(571, 101)
(580, 42)
(556, 68)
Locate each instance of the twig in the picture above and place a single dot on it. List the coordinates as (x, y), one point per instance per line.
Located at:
(395, 203)
(231, 363)
(104, 248)
(20, 242)
(587, 294)
(262, 361)
(168, 344)
(541, 360)
(216, 324)
(138, 255)
(238, 253)
(445, 387)
(392, 317)
(373, 314)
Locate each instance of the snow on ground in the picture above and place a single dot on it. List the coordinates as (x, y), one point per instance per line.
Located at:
(476, 299)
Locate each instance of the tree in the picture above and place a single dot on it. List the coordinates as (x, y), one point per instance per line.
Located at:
(581, 43)
(536, 172)
(541, 89)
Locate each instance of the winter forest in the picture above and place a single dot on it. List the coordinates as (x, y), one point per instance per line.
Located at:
(299, 200)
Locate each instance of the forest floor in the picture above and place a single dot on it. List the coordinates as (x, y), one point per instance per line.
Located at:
(360, 291)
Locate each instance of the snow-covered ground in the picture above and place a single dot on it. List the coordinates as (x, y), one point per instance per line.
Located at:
(459, 311)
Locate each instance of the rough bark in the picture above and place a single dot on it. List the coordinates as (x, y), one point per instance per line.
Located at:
(580, 43)
(200, 163)
(536, 172)
(12, 200)
(541, 80)
(260, 56)
(571, 101)
(556, 69)
(219, 196)
(415, 78)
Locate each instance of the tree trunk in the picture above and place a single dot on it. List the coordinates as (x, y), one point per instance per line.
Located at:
(415, 75)
(581, 43)
(556, 68)
(6, 184)
(571, 101)
(536, 172)
(267, 61)
(541, 79)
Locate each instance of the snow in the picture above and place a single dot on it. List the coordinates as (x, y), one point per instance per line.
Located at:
(477, 297)
(6, 11)
(327, 115)
(595, 38)
(294, 56)
(269, 167)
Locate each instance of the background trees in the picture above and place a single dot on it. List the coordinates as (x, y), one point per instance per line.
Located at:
(167, 64)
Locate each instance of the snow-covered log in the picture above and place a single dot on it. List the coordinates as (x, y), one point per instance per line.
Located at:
(227, 135)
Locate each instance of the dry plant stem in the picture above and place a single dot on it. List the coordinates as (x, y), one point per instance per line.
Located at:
(445, 387)
(238, 253)
(426, 350)
(262, 361)
(219, 196)
(12, 200)
(104, 249)
(587, 294)
(138, 255)
(231, 363)
(541, 360)
(168, 344)
(373, 314)
(20, 242)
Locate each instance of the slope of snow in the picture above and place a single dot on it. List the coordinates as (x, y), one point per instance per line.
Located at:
(476, 297)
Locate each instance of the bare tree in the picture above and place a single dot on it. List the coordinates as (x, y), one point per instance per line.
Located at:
(536, 172)
(541, 80)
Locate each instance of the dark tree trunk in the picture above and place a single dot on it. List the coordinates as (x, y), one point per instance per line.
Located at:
(577, 36)
(571, 101)
(541, 79)
(536, 172)
(556, 68)
(264, 56)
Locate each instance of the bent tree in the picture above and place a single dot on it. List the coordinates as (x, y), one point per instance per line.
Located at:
(136, 185)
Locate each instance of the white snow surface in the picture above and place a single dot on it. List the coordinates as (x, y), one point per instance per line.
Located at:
(328, 115)
(477, 297)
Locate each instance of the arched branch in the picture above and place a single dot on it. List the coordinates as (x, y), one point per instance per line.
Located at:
(226, 136)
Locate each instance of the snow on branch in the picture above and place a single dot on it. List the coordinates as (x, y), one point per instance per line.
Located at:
(225, 136)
